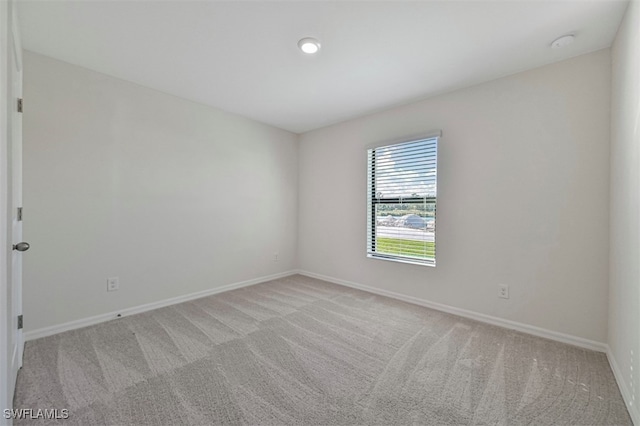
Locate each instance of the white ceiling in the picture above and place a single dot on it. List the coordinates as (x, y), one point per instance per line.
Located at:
(243, 57)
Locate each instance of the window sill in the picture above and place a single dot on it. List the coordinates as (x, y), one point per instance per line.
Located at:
(399, 260)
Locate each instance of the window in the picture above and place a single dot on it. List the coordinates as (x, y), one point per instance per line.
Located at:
(401, 200)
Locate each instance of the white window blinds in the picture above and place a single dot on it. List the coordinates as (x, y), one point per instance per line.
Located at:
(401, 199)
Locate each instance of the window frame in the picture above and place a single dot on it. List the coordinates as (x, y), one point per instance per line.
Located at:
(373, 200)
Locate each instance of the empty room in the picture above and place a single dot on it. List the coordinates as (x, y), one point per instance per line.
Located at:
(320, 212)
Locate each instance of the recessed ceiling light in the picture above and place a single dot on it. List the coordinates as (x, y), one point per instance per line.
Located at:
(563, 41)
(309, 45)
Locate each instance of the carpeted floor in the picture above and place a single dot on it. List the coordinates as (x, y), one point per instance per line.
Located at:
(302, 351)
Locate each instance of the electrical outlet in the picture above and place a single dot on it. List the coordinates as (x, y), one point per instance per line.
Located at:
(275, 256)
(503, 291)
(113, 284)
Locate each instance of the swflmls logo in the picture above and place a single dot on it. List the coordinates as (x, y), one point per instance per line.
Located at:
(31, 414)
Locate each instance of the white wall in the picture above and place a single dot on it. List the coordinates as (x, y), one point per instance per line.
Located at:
(624, 295)
(171, 196)
(523, 182)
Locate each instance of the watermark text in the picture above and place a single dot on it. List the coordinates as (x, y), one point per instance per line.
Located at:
(34, 414)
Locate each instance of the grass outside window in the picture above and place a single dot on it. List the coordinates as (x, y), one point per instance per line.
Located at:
(412, 248)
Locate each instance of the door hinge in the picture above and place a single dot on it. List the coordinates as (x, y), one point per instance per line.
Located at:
(19, 214)
(19, 322)
(19, 104)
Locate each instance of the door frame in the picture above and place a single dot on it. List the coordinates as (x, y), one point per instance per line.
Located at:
(15, 144)
(5, 317)
(8, 30)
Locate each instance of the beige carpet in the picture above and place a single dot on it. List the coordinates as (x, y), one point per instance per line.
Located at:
(302, 351)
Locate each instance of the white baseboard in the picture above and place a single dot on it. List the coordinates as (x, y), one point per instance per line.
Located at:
(513, 325)
(84, 322)
(624, 389)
